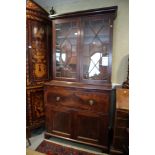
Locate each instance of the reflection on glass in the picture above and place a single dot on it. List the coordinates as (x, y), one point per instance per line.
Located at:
(105, 60)
(63, 57)
(94, 64)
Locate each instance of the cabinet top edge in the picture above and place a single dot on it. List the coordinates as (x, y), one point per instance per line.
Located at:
(33, 6)
(78, 85)
(112, 9)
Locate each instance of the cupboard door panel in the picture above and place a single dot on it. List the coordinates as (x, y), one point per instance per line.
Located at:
(88, 128)
(92, 128)
(59, 122)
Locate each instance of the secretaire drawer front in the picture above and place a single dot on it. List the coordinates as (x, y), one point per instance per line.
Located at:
(57, 96)
(94, 101)
(78, 99)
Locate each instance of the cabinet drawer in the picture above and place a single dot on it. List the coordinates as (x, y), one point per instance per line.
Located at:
(78, 99)
(123, 114)
(120, 122)
(121, 132)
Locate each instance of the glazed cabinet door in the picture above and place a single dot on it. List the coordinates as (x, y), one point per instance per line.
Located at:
(37, 52)
(96, 42)
(92, 128)
(59, 121)
(65, 49)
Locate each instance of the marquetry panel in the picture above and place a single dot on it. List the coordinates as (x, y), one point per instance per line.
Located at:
(38, 52)
(35, 110)
(37, 100)
(28, 109)
(27, 61)
(35, 18)
(35, 12)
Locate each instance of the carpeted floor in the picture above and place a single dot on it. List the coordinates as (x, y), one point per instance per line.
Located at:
(53, 148)
(38, 137)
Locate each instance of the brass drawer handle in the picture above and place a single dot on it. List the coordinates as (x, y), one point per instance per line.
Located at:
(91, 102)
(57, 98)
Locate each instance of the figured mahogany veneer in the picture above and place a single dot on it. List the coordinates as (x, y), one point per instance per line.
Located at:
(78, 112)
(82, 100)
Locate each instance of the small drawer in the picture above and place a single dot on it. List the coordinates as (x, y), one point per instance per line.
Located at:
(121, 132)
(122, 114)
(122, 98)
(120, 122)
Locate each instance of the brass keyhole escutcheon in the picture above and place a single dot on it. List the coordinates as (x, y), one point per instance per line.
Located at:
(58, 98)
(91, 102)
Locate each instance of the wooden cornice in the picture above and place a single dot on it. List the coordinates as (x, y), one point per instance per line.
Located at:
(112, 9)
(30, 4)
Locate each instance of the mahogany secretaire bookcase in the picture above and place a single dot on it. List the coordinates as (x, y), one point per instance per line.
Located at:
(78, 98)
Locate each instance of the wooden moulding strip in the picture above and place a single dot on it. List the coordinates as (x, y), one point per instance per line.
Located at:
(78, 141)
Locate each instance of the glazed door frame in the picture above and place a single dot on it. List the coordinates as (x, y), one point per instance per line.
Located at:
(108, 44)
(64, 21)
(80, 47)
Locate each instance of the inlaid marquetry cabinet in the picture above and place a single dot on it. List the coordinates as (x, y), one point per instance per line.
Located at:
(78, 99)
(37, 62)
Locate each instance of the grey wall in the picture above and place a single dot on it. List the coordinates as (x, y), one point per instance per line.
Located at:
(121, 28)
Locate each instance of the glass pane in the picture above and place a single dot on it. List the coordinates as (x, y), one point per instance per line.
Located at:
(96, 49)
(66, 50)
